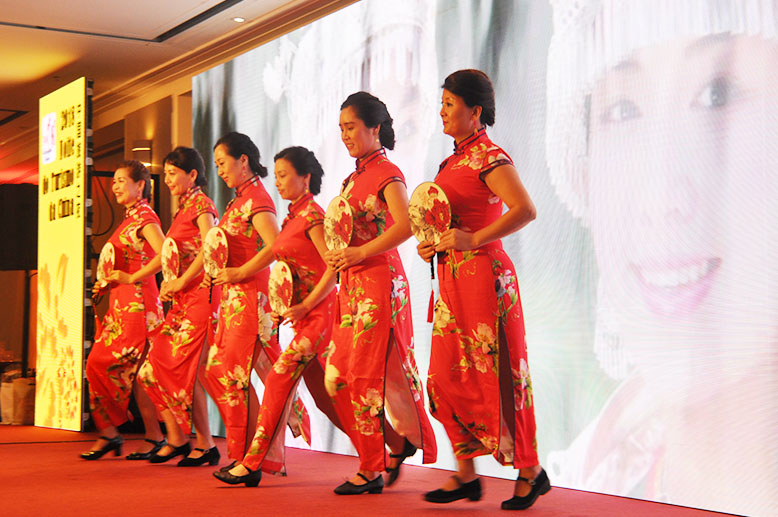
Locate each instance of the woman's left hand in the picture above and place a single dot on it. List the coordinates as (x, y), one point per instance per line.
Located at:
(339, 260)
(456, 239)
(296, 313)
(120, 277)
(229, 275)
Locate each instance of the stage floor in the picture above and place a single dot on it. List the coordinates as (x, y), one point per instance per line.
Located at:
(41, 473)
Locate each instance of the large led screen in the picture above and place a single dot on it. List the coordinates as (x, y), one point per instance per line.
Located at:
(645, 132)
(61, 188)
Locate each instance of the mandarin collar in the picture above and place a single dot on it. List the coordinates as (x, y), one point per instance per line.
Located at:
(297, 206)
(184, 198)
(131, 211)
(464, 144)
(365, 160)
(252, 181)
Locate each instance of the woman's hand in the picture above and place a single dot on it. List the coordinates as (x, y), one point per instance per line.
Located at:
(425, 250)
(168, 289)
(229, 275)
(342, 259)
(277, 319)
(97, 287)
(456, 239)
(120, 277)
(206, 283)
(296, 313)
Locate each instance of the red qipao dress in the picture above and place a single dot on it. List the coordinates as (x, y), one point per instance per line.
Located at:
(479, 384)
(374, 313)
(244, 318)
(134, 315)
(168, 374)
(312, 335)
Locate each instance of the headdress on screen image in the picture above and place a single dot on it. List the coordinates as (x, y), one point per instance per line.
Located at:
(592, 36)
(355, 49)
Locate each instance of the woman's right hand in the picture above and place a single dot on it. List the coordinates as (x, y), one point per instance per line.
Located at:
(96, 288)
(206, 283)
(168, 289)
(426, 250)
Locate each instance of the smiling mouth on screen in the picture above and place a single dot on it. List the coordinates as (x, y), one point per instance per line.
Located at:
(677, 290)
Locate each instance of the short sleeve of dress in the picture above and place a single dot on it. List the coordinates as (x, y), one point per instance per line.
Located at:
(262, 202)
(389, 173)
(203, 205)
(313, 217)
(493, 158)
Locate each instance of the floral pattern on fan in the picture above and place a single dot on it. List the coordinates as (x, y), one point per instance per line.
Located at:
(171, 261)
(215, 251)
(429, 212)
(105, 264)
(338, 223)
(280, 287)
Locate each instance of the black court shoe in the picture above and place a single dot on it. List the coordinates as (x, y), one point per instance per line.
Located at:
(540, 485)
(470, 490)
(375, 486)
(408, 450)
(181, 450)
(112, 444)
(146, 455)
(210, 456)
(251, 479)
(228, 467)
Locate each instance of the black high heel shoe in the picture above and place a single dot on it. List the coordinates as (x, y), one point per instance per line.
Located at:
(376, 486)
(539, 486)
(113, 444)
(408, 450)
(470, 490)
(251, 479)
(146, 455)
(210, 456)
(181, 450)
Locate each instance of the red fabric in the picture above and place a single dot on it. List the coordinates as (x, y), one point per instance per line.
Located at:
(169, 371)
(471, 320)
(243, 318)
(375, 313)
(134, 315)
(312, 335)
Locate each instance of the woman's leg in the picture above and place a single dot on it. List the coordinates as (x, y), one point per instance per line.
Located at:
(148, 413)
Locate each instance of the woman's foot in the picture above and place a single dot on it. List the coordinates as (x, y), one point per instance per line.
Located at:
(168, 452)
(360, 484)
(147, 449)
(104, 445)
(396, 460)
(250, 478)
(455, 489)
(200, 456)
(527, 490)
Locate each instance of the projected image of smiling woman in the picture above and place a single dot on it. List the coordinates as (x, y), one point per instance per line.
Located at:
(661, 137)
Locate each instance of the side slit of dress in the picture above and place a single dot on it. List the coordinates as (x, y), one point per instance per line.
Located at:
(399, 399)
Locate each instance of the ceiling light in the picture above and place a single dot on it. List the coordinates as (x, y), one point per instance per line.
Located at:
(238, 19)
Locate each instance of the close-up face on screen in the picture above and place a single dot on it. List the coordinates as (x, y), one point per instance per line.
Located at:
(645, 133)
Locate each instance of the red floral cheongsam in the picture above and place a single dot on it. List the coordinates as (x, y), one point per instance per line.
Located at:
(168, 374)
(478, 330)
(244, 317)
(312, 334)
(373, 313)
(134, 315)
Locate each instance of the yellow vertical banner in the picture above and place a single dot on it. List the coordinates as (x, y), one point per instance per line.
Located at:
(61, 233)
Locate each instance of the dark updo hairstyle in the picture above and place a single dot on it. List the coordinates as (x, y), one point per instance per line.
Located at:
(304, 162)
(138, 172)
(188, 160)
(238, 144)
(373, 113)
(476, 89)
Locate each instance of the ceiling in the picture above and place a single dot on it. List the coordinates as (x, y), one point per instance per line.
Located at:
(46, 44)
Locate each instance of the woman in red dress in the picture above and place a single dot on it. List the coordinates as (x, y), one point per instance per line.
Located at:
(133, 316)
(301, 245)
(478, 383)
(169, 374)
(370, 357)
(245, 326)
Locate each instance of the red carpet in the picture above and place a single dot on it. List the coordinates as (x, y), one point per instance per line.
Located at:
(42, 474)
